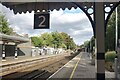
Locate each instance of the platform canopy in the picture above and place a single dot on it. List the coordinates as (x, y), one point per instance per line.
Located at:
(15, 39)
(19, 7)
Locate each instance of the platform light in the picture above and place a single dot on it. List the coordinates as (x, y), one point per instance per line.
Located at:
(116, 39)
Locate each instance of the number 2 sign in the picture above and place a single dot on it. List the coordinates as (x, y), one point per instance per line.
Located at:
(41, 20)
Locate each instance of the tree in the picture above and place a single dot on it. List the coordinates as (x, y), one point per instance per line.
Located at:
(4, 26)
(119, 22)
(72, 44)
(54, 39)
(47, 39)
(57, 39)
(92, 43)
(110, 31)
(68, 41)
(37, 42)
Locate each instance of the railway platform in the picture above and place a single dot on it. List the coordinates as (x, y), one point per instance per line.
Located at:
(79, 68)
(20, 59)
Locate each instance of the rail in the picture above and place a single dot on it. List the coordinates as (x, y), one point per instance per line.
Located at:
(7, 69)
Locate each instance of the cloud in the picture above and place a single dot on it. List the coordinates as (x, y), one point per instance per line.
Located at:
(21, 23)
(74, 22)
(77, 25)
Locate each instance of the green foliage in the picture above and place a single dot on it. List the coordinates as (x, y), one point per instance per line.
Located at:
(119, 22)
(110, 56)
(87, 45)
(68, 41)
(54, 39)
(63, 46)
(57, 39)
(38, 42)
(110, 31)
(110, 40)
(110, 34)
(4, 27)
(92, 43)
(47, 39)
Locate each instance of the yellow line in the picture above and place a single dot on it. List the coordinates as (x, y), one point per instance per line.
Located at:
(71, 76)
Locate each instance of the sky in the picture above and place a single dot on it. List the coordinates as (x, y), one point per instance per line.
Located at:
(73, 22)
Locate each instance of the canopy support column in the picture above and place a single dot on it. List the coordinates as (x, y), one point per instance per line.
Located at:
(100, 40)
(16, 51)
(3, 52)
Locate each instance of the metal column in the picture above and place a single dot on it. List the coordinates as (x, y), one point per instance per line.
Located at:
(16, 51)
(100, 40)
(3, 52)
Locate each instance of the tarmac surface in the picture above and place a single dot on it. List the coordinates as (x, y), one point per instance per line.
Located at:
(79, 68)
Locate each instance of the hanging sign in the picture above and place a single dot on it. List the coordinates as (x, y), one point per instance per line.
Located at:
(41, 20)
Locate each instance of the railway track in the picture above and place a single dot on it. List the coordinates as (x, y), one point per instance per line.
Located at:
(40, 72)
(12, 68)
(33, 75)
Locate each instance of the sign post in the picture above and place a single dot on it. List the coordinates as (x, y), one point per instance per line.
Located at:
(41, 20)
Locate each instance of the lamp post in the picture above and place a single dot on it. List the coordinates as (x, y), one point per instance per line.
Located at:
(116, 39)
(116, 48)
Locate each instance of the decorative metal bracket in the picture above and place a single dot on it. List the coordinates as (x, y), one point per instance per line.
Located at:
(88, 9)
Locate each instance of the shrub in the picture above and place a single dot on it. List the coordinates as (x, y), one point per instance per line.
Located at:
(110, 56)
(109, 66)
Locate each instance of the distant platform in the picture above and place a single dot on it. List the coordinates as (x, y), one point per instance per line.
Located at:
(20, 59)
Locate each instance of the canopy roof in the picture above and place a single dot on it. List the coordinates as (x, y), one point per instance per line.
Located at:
(16, 39)
(19, 6)
(34, 6)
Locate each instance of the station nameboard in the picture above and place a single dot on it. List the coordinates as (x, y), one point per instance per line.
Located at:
(41, 20)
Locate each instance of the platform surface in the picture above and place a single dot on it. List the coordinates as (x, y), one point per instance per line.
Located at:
(79, 68)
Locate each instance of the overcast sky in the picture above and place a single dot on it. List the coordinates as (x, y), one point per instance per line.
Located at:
(74, 22)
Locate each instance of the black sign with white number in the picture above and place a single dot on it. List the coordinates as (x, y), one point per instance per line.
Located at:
(41, 20)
